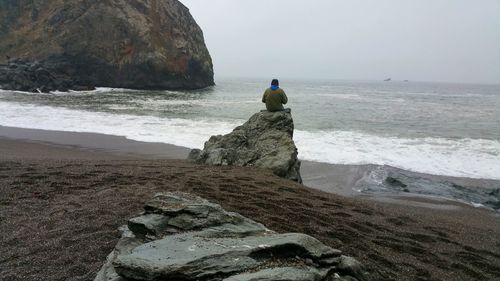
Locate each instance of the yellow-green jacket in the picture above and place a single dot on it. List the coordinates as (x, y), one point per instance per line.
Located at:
(274, 100)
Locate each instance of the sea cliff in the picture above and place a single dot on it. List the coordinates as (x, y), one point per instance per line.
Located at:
(139, 44)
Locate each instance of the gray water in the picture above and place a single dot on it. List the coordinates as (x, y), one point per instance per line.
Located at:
(436, 128)
(406, 109)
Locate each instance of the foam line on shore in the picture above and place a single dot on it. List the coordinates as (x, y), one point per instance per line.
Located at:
(474, 158)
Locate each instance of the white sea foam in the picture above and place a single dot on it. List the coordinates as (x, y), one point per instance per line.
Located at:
(477, 205)
(106, 90)
(72, 92)
(475, 158)
(177, 131)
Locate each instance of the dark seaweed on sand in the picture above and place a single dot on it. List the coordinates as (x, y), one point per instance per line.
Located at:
(59, 219)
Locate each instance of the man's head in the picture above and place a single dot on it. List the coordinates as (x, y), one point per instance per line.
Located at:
(275, 82)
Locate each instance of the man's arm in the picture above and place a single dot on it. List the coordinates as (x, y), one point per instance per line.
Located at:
(264, 97)
(284, 98)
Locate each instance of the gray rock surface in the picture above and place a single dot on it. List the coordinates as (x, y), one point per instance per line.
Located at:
(350, 266)
(213, 244)
(264, 141)
(282, 274)
(21, 75)
(138, 44)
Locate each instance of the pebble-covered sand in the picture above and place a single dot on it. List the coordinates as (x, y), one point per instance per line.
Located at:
(60, 208)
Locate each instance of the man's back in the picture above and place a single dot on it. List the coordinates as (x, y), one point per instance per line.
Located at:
(274, 99)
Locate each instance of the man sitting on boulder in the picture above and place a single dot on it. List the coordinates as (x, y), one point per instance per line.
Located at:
(274, 97)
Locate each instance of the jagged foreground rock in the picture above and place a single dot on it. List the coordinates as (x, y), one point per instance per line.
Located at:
(184, 237)
(265, 141)
(138, 44)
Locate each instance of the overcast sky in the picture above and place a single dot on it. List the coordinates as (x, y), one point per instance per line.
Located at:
(425, 40)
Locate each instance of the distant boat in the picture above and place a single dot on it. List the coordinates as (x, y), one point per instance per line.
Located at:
(388, 80)
(406, 81)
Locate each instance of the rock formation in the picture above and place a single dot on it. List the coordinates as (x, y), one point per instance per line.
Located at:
(184, 237)
(19, 75)
(265, 141)
(138, 44)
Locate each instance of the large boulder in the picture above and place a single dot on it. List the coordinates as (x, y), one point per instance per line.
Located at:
(214, 244)
(264, 141)
(138, 44)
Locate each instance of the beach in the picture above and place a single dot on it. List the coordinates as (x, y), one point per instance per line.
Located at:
(363, 149)
(64, 195)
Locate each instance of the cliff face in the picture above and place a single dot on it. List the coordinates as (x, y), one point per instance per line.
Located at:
(141, 44)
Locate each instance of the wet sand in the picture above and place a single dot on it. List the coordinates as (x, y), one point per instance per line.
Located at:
(62, 200)
(438, 191)
(117, 146)
(339, 179)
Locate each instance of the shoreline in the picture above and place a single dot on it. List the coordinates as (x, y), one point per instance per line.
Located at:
(112, 144)
(340, 179)
(62, 199)
(59, 200)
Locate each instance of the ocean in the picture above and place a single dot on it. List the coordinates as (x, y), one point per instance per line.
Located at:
(434, 128)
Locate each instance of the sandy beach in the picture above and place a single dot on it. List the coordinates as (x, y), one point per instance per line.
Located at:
(63, 196)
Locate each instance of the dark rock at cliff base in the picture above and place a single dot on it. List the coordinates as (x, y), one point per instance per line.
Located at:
(220, 246)
(264, 141)
(139, 44)
(395, 182)
(28, 76)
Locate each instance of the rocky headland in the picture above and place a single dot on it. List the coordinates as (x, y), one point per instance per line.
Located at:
(184, 237)
(264, 141)
(78, 44)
